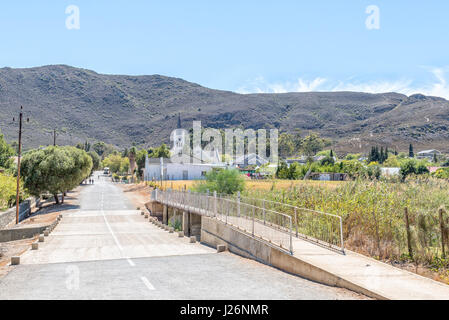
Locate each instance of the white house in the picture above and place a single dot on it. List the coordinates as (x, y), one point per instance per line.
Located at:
(165, 169)
(428, 154)
(389, 172)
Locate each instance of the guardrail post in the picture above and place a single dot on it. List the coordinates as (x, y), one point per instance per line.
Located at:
(253, 220)
(296, 222)
(155, 194)
(207, 202)
(341, 236)
(227, 212)
(215, 203)
(238, 204)
(263, 210)
(291, 237)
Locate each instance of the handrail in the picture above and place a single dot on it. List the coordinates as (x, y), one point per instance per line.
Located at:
(270, 225)
(313, 236)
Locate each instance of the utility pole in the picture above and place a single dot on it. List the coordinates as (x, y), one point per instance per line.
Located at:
(18, 164)
(54, 137)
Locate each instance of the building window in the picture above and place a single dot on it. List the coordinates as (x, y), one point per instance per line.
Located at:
(203, 173)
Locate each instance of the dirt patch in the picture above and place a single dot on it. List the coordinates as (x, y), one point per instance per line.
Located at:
(138, 194)
(11, 249)
(49, 211)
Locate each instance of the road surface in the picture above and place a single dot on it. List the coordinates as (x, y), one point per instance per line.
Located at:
(107, 250)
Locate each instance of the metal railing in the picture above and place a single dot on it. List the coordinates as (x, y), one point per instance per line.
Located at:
(316, 226)
(263, 223)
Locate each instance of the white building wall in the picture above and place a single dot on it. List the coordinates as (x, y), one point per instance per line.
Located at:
(175, 171)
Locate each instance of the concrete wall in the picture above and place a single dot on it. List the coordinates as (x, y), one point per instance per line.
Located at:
(155, 209)
(214, 232)
(195, 225)
(175, 171)
(19, 234)
(8, 217)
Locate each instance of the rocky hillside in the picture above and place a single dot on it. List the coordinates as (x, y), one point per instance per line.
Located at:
(121, 110)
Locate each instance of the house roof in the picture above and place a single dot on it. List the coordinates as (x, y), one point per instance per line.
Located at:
(429, 151)
(251, 158)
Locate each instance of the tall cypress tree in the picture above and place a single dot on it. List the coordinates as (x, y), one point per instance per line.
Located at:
(411, 154)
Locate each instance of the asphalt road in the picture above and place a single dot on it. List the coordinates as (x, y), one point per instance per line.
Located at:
(107, 250)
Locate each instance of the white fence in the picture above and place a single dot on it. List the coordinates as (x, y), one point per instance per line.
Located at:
(263, 223)
(316, 226)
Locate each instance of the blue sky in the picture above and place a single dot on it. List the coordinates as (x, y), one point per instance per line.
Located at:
(244, 46)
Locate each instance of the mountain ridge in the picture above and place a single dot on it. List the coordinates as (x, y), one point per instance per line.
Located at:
(120, 109)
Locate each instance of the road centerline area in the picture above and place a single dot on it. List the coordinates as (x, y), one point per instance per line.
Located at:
(107, 250)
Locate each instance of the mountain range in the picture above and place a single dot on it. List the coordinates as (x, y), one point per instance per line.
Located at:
(83, 105)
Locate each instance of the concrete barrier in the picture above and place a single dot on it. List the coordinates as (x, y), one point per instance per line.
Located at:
(8, 217)
(180, 234)
(34, 246)
(171, 230)
(221, 248)
(216, 233)
(20, 233)
(192, 239)
(46, 233)
(41, 238)
(15, 261)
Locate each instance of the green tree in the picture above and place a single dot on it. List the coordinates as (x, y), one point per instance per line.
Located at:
(140, 160)
(99, 148)
(312, 144)
(103, 149)
(294, 171)
(96, 160)
(411, 153)
(162, 152)
(116, 163)
(282, 171)
(6, 152)
(411, 166)
(132, 154)
(435, 158)
(222, 181)
(55, 170)
(286, 145)
(327, 161)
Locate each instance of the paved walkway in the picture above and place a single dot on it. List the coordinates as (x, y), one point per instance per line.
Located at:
(107, 250)
(384, 279)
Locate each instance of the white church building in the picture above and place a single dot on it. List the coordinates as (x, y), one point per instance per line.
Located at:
(181, 165)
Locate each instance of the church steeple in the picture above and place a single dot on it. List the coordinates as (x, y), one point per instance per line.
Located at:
(179, 121)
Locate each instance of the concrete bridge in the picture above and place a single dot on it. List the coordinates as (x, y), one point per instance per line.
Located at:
(302, 242)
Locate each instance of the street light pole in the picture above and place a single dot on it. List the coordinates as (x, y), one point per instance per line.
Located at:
(18, 164)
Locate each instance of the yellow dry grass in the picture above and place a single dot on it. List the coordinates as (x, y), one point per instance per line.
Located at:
(259, 184)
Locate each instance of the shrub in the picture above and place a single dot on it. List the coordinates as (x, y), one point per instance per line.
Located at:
(411, 166)
(222, 181)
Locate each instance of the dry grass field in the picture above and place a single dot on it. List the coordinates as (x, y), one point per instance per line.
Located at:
(261, 184)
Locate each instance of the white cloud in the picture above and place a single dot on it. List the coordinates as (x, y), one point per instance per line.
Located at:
(438, 87)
